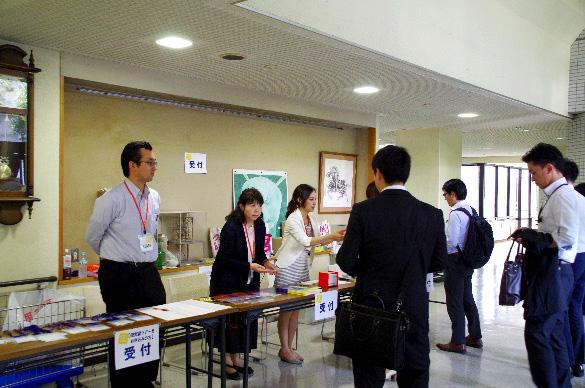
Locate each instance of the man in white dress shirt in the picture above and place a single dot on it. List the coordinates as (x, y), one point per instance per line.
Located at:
(575, 337)
(460, 302)
(549, 276)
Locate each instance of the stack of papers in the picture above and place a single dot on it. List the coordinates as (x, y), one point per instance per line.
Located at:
(183, 309)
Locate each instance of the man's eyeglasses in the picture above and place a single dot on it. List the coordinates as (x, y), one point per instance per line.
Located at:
(151, 163)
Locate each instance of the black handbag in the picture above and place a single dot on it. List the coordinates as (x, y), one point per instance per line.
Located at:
(372, 335)
(512, 283)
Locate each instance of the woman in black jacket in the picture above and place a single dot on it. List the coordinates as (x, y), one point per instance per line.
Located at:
(240, 261)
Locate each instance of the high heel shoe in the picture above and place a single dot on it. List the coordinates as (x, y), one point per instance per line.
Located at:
(234, 375)
(241, 370)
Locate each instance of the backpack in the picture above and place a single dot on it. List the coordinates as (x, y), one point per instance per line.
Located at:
(479, 242)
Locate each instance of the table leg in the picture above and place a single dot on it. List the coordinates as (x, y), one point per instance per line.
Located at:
(210, 359)
(188, 355)
(246, 348)
(222, 326)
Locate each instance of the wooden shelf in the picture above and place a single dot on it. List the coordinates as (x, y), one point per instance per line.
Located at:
(161, 271)
(76, 281)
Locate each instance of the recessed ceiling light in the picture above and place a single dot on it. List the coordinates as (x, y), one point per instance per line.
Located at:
(232, 57)
(559, 138)
(526, 130)
(366, 90)
(467, 115)
(174, 42)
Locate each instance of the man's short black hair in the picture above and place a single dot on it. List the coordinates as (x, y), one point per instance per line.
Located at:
(542, 154)
(393, 162)
(456, 186)
(131, 153)
(571, 170)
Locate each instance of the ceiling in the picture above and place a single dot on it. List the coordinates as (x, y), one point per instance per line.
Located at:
(281, 60)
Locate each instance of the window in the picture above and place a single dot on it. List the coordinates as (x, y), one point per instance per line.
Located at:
(502, 206)
(489, 192)
(470, 176)
(507, 192)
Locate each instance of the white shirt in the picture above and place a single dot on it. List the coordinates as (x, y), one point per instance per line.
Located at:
(456, 227)
(396, 187)
(115, 224)
(250, 235)
(581, 213)
(294, 239)
(559, 218)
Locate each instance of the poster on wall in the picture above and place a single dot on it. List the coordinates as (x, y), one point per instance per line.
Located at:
(336, 182)
(274, 188)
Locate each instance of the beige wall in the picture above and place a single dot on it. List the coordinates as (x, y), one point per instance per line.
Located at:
(29, 249)
(436, 157)
(97, 128)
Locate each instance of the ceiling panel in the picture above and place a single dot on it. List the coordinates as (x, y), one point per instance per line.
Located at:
(280, 60)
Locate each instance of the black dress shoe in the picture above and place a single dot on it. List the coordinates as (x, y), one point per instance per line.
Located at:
(241, 370)
(233, 376)
(577, 370)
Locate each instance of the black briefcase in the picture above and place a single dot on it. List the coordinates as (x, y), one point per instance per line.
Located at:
(512, 283)
(372, 335)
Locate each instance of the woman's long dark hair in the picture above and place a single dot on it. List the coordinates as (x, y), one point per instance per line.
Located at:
(247, 197)
(299, 197)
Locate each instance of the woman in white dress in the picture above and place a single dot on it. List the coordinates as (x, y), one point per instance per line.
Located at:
(301, 234)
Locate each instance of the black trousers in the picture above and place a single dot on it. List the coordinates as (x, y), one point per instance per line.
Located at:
(567, 283)
(415, 371)
(547, 351)
(368, 376)
(460, 302)
(126, 286)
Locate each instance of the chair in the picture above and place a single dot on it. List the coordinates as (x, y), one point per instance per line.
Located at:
(94, 303)
(183, 288)
(188, 287)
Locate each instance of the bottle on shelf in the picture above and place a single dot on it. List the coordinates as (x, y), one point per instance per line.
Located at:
(67, 265)
(83, 264)
(160, 259)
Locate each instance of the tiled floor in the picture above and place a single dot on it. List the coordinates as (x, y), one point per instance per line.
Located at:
(502, 362)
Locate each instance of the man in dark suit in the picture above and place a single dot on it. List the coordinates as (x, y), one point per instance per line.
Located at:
(391, 239)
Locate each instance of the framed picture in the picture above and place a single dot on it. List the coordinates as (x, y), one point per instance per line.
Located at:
(336, 182)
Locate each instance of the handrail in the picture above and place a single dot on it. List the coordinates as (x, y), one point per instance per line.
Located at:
(22, 282)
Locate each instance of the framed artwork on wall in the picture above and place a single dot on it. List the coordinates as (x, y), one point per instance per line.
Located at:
(336, 182)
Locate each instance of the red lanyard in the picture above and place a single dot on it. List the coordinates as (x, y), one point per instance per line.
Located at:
(251, 247)
(142, 220)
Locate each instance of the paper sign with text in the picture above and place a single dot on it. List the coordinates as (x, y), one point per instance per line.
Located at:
(136, 346)
(325, 305)
(195, 163)
(430, 284)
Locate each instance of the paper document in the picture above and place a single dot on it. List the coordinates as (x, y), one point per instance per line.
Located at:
(75, 330)
(180, 310)
(26, 338)
(50, 337)
(138, 317)
(120, 322)
(98, 327)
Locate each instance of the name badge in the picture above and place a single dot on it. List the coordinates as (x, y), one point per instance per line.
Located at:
(146, 242)
(429, 282)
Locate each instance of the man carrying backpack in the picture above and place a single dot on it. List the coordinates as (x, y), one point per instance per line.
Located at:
(460, 302)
